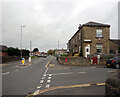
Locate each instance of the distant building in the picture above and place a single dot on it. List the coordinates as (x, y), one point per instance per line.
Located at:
(114, 45)
(60, 51)
(91, 38)
(3, 50)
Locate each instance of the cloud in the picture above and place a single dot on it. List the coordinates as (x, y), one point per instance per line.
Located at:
(48, 21)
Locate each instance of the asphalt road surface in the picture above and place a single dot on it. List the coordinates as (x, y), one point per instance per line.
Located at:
(40, 78)
(22, 80)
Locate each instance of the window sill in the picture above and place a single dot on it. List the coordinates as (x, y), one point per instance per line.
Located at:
(99, 37)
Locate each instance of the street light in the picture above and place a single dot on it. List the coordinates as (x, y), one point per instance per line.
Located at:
(21, 40)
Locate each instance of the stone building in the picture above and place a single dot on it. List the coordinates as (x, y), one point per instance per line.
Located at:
(114, 46)
(60, 51)
(91, 38)
(3, 50)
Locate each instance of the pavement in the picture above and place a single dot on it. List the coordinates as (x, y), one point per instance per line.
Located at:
(46, 76)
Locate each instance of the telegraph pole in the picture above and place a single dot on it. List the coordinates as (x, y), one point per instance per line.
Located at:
(58, 44)
(21, 41)
(30, 46)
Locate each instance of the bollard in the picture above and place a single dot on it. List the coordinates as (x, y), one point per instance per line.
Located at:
(29, 59)
(23, 61)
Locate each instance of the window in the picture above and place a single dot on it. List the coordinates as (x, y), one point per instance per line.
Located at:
(111, 51)
(99, 33)
(99, 48)
(79, 35)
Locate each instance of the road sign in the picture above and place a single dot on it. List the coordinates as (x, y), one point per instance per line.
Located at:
(23, 61)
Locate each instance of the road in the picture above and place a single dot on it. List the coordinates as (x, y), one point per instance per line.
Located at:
(22, 80)
(40, 78)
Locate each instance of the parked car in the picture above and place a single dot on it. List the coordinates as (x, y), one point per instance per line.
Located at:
(113, 62)
(44, 56)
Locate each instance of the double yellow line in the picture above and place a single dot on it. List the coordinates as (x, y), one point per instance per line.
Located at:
(46, 66)
(63, 87)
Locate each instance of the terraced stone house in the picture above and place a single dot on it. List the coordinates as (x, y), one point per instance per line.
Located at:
(91, 38)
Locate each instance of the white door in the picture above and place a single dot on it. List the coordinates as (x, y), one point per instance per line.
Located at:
(87, 51)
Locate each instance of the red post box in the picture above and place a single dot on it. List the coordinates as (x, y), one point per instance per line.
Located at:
(94, 60)
(65, 59)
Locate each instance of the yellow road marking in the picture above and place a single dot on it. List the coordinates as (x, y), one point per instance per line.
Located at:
(99, 84)
(61, 87)
(51, 64)
(48, 63)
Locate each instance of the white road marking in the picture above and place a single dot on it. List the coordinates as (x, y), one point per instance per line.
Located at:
(43, 77)
(50, 74)
(41, 81)
(38, 87)
(110, 71)
(62, 73)
(93, 67)
(36, 92)
(82, 72)
(49, 77)
(5, 73)
(45, 71)
(47, 86)
(15, 71)
(48, 81)
(17, 66)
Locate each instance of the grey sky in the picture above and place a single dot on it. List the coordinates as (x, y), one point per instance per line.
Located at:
(48, 21)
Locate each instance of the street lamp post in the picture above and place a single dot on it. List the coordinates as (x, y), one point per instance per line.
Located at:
(21, 41)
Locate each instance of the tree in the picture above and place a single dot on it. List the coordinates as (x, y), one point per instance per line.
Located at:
(35, 50)
(50, 52)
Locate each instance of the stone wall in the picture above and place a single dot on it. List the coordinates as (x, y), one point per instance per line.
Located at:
(113, 84)
(11, 58)
(76, 61)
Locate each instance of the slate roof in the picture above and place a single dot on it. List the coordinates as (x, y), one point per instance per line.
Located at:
(117, 41)
(96, 24)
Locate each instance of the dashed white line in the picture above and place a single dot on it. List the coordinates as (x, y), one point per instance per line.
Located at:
(43, 77)
(110, 71)
(61, 73)
(5, 73)
(49, 77)
(38, 87)
(93, 67)
(41, 81)
(48, 81)
(50, 74)
(15, 71)
(45, 71)
(36, 92)
(82, 72)
(47, 86)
